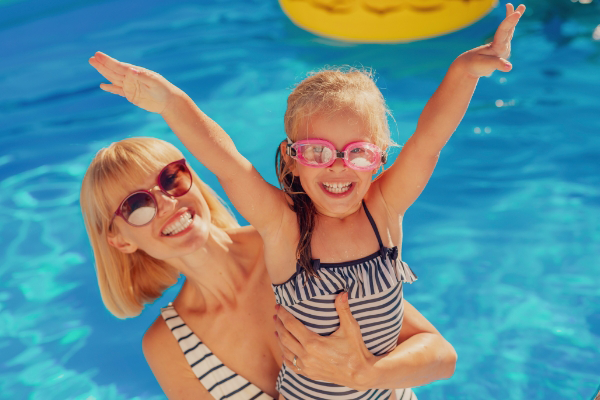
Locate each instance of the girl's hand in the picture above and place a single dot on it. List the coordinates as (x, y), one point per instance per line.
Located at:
(341, 358)
(144, 88)
(483, 60)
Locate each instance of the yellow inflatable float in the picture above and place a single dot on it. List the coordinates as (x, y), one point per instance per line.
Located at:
(384, 21)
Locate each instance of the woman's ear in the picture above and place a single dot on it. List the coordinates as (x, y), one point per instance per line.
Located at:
(117, 241)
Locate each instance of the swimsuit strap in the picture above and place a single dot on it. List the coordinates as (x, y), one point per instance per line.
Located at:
(373, 225)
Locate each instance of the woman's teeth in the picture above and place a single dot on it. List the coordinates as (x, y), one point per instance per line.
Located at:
(183, 222)
(337, 187)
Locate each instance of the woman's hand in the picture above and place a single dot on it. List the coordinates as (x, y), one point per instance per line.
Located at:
(144, 88)
(340, 358)
(483, 60)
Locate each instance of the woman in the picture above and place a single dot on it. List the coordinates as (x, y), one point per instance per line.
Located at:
(226, 300)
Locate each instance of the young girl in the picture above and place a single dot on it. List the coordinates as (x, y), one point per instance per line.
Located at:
(332, 228)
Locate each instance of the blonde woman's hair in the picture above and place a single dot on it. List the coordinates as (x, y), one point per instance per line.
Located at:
(128, 281)
(324, 93)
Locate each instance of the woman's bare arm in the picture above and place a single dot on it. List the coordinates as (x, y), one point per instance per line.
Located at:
(422, 355)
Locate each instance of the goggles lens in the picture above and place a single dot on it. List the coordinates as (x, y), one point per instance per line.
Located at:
(139, 208)
(320, 153)
(363, 156)
(314, 154)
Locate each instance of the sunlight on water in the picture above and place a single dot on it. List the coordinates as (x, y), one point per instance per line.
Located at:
(505, 239)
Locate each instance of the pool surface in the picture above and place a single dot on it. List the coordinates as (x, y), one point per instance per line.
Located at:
(505, 238)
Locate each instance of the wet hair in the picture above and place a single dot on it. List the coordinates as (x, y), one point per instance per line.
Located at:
(325, 93)
(128, 281)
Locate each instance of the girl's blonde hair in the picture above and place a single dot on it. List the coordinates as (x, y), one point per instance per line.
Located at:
(128, 281)
(324, 93)
(328, 91)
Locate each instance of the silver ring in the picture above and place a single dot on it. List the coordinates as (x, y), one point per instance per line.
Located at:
(295, 362)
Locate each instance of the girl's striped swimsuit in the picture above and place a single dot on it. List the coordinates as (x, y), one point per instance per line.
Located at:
(220, 381)
(374, 286)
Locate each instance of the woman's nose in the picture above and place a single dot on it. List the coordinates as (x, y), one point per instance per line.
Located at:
(165, 202)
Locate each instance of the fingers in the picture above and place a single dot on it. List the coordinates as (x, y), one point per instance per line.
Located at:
(114, 65)
(505, 31)
(506, 27)
(509, 9)
(491, 63)
(289, 361)
(294, 327)
(287, 339)
(343, 309)
(113, 77)
(112, 89)
(521, 9)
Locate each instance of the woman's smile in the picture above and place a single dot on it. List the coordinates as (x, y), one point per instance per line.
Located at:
(179, 224)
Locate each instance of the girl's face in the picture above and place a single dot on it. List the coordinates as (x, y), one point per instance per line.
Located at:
(337, 190)
(180, 227)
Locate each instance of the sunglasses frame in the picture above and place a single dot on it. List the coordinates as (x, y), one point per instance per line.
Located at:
(120, 213)
(291, 150)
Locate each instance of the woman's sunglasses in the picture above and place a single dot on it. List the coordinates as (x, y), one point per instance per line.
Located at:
(361, 156)
(140, 207)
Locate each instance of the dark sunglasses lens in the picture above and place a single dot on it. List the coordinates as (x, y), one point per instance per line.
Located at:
(139, 209)
(176, 179)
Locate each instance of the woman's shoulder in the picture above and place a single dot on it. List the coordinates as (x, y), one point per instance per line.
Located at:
(155, 335)
(169, 365)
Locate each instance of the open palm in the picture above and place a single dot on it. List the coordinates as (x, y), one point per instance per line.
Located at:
(144, 88)
(484, 60)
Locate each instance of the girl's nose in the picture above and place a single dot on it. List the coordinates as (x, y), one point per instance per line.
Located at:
(338, 165)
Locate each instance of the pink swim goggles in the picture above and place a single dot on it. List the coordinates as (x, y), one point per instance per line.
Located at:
(361, 156)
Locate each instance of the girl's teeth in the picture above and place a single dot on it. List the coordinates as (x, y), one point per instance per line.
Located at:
(182, 223)
(337, 187)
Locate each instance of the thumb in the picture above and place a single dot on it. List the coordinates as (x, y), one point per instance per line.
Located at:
(503, 65)
(343, 309)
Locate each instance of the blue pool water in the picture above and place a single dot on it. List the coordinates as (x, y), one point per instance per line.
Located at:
(505, 238)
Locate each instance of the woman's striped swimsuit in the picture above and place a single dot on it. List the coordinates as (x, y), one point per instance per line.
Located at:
(220, 381)
(374, 286)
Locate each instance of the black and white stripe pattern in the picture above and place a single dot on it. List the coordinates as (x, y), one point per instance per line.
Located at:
(220, 381)
(374, 286)
(375, 297)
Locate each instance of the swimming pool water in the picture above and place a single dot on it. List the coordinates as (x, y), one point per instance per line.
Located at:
(505, 238)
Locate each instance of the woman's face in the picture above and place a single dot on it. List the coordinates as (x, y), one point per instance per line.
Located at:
(180, 226)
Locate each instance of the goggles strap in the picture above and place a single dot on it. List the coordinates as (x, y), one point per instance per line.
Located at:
(288, 148)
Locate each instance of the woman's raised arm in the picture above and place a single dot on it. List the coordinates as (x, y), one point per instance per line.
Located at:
(251, 195)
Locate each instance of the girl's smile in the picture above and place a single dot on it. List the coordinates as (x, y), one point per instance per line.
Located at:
(335, 190)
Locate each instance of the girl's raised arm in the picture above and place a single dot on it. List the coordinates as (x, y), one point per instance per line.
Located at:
(404, 181)
(207, 141)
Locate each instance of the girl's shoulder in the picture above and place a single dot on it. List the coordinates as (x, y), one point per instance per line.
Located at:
(376, 203)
